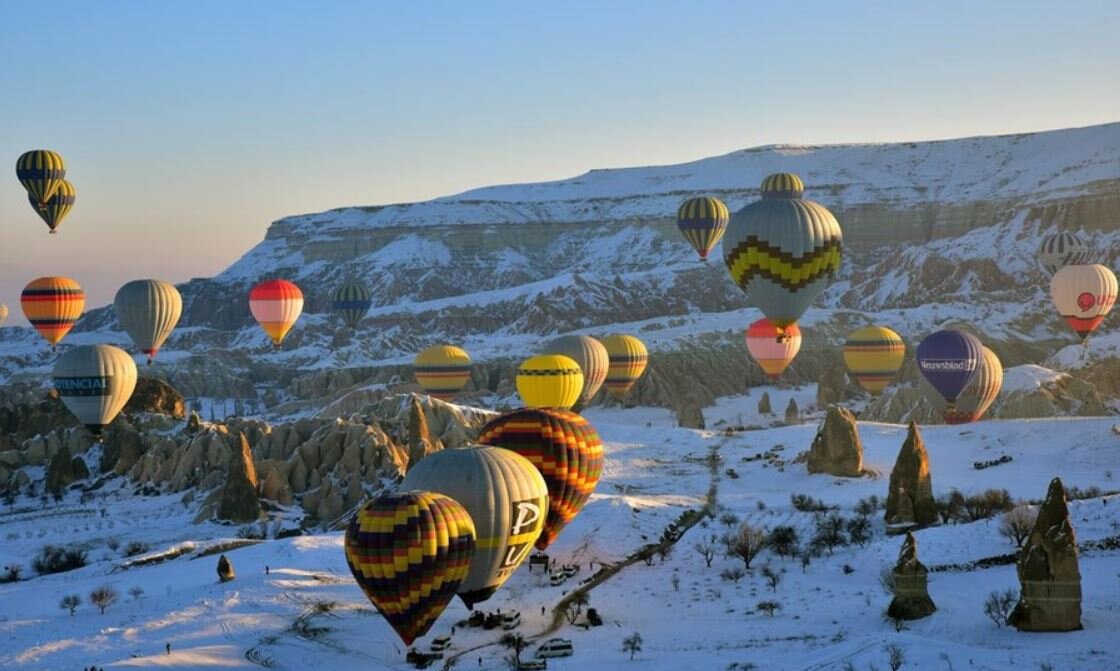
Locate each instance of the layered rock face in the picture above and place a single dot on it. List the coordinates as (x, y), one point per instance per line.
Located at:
(1049, 575)
(910, 494)
(911, 579)
(837, 449)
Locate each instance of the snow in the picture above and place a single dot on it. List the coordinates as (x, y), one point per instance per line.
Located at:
(1028, 378)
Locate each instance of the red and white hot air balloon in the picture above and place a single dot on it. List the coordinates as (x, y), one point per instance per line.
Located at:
(276, 305)
(774, 350)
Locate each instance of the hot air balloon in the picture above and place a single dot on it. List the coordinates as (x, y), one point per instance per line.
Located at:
(947, 360)
(3, 313)
(1083, 295)
(52, 305)
(1062, 249)
(591, 356)
(409, 552)
(564, 447)
(148, 310)
(276, 305)
(703, 222)
(628, 358)
(874, 355)
(95, 382)
(442, 371)
(549, 381)
(41, 172)
(783, 250)
(772, 348)
(507, 499)
(351, 301)
(57, 206)
(977, 396)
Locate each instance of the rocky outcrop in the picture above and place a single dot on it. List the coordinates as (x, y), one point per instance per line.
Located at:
(156, 396)
(793, 413)
(690, 416)
(910, 493)
(420, 443)
(239, 502)
(832, 385)
(225, 570)
(764, 404)
(60, 472)
(837, 449)
(1050, 598)
(911, 586)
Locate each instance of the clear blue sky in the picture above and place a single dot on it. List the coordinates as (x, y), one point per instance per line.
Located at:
(189, 126)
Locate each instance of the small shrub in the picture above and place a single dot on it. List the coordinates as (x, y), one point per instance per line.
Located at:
(848, 570)
(136, 591)
(829, 533)
(135, 548)
(986, 504)
(773, 578)
(12, 573)
(103, 597)
(728, 519)
(895, 656)
(56, 559)
(113, 542)
(769, 607)
(784, 540)
(868, 506)
(859, 530)
(888, 581)
(70, 603)
(807, 504)
(707, 549)
(733, 574)
(998, 606)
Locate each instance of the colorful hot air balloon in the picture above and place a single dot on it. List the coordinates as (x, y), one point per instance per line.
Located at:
(591, 356)
(977, 396)
(148, 311)
(3, 313)
(564, 447)
(95, 382)
(57, 206)
(783, 250)
(41, 172)
(1062, 249)
(409, 552)
(1083, 295)
(549, 381)
(772, 348)
(703, 222)
(947, 360)
(874, 355)
(276, 305)
(628, 358)
(52, 305)
(351, 301)
(442, 371)
(507, 499)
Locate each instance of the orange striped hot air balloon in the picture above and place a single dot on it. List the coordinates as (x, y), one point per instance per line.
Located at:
(874, 355)
(442, 370)
(773, 351)
(628, 359)
(564, 447)
(276, 305)
(52, 305)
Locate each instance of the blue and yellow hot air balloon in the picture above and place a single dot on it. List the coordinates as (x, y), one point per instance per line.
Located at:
(41, 172)
(57, 206)
(703, 221)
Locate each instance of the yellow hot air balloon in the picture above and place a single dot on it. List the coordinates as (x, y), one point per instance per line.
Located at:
(978, 395)
(591, 356)
(507, 499)
(3, 313)
(703, 221)
(148, 311)
(276, 305)
(53, 305)
(41, 172)
(57, 206)
(549, 381)
(409, 552)
(95, 382)
(1084, 295)
(874, 355)
(628, 359)
(442, 371)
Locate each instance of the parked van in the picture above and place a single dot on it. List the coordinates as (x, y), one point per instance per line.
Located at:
(440, 644)
(555, 647)
(557, 579)
(511, 620)
(532, 665)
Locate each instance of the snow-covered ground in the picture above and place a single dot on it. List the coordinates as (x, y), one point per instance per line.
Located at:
(307, 612)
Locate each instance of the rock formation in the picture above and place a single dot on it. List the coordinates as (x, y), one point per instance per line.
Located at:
(1050, 598)
(836, 449)
(155, 395)
(910, 493)
(420, 442)
(764, 404)
(793, 413)
(225, 570)
(690, 415)
(831, 385)
(239, 502)
(60, 472)
(911, 595)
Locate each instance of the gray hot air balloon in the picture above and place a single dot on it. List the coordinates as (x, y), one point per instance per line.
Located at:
(148, 310)
(95, 382)
(592, 358)
(507, 499)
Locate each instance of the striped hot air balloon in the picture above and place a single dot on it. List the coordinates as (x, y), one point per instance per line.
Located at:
(57, 206)
(947, 360)
(148, 310)
(549, 381)
(874, 355)
(628, 359)
(564, 447)
(1062, 249)
(1084, 295)
(41, 172)
(351, 301)
(703, 222)
(95, 382)
(442, 371)
(410, 552)
(276, 305)
(506, 498)
(783, 250)
(52, 305)
(977, 396)
(592, 358)
(773, 349)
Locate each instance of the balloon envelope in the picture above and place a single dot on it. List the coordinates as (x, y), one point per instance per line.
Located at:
(95, 382)
(148, 311)
(442, 371)
(1084, 295)
(3, 313)
(772, 348)
(57, 206)
(592, 358)
(566, 450)
(351, 301)
(874, 355)
(507, 499)
(41, 172)
(409, 552)
(549, 381)
(52, 305)
(1062, 249)
(276, 305)
(947, 360)
(703, 222)
(628, 359)
(977, 396)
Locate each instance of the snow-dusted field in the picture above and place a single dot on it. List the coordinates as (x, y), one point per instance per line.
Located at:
(308, 613)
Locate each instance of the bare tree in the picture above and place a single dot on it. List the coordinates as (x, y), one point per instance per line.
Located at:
(103, 597)
(70, 602)
(516, 643)
(707, 550)
(729, 519)
(574, 607)
(773, 578)
(1017, 524)
(859, 530)
(896, 657)
(632, 644)
(136, 591)
(747, 543)
(888, 581)
(784, 540)
(733, 574)
(998, 606)
(769, 607)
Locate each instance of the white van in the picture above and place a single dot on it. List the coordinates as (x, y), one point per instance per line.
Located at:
(557, 579)
(440, 644)
(511, 620)
(555, 647)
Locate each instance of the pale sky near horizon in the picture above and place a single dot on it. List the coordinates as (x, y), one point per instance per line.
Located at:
(189, 126)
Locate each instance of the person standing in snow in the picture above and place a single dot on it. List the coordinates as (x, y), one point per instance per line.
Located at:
(169, 648)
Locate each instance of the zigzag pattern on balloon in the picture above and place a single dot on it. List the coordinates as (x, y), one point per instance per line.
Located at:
(754, 258)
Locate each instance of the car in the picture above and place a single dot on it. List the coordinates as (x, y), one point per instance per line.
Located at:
(555, 647)
(511, 620)
(532, 665)
(440, 644)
